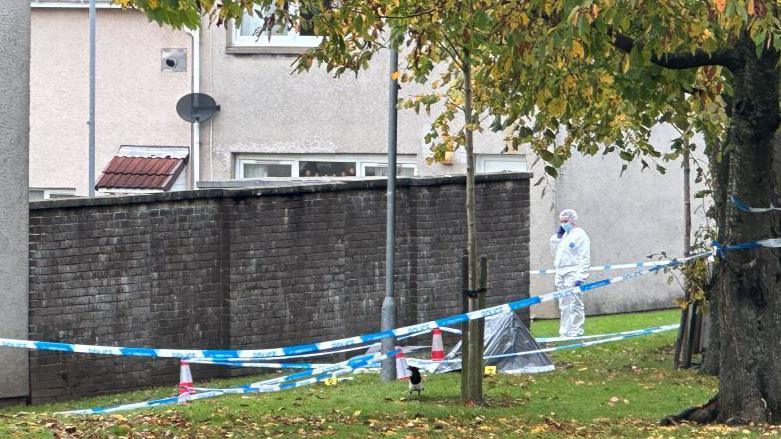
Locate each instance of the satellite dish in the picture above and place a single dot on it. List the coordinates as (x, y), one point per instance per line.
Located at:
(196, 107)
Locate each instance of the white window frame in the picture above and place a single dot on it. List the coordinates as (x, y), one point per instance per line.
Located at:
(291, 43)
(361, 162)
(52, 193)
(483, 159)
(365, 165)
(240, 166)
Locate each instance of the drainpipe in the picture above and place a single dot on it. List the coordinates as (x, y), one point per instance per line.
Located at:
(195, 85)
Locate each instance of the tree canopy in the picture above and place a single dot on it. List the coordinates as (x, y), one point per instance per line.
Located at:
(590, 76)
(597, 75)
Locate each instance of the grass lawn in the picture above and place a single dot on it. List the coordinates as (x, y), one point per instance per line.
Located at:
(619, 389)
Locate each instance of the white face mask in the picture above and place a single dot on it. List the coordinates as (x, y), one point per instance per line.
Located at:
(566, 226)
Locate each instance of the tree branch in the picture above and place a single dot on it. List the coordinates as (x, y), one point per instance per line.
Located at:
(680, 61)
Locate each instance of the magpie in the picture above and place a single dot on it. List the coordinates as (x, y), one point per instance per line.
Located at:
(415, 381)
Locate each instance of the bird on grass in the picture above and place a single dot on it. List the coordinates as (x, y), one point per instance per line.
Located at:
(415, 380)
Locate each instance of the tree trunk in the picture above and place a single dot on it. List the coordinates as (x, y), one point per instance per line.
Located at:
(473, 394)
(749, 307)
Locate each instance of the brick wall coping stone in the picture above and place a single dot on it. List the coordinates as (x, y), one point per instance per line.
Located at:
(304, 187)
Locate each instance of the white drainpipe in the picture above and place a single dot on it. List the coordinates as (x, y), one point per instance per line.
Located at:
(196, 88)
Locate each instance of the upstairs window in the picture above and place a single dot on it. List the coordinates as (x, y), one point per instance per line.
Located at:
(254, 36)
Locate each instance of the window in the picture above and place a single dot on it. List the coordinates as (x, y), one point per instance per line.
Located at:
(263, 169)
(381, 170)
(256, 166)
(326, 169)
(40, 193)
(487, 163)
(251, 37)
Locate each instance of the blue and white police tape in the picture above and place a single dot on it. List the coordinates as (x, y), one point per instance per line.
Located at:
(354, 363)
(560, 339)
(639, 333)
(766, 243)
(632, 334)
(344, 342)
(267, 386)
(187, 354)
(588, 337)
(238, 362)
(324, 353)
(451, 330)
(264, 365)
(610, 266)
(196, 396)
(277, 384)
(740, 205)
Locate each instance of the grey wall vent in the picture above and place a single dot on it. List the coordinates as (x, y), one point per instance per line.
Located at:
(174, 60)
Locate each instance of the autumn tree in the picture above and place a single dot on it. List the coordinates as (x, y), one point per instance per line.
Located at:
(593, 76)
(442, 44)
(602, 73)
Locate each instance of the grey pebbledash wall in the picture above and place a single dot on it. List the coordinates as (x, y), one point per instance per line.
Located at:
(14, 142)
(252, 268)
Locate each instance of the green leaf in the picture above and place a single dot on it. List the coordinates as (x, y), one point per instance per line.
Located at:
(546, 155)
(583, 26)
(759, 41)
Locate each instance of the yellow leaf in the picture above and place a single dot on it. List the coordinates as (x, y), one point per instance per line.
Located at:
(570, 84)
(577, 49)
(588, 91)
(721, 5)
(606, 78)
(557, 106)
(495, 73)
(524, 18)
(395, 75)
(594, 11)
(751, 8)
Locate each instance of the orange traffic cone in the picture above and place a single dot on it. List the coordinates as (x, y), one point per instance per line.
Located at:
(437, 348)
(402, 373)
(185, 382)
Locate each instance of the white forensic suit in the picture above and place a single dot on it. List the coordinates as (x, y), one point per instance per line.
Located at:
(573, 260)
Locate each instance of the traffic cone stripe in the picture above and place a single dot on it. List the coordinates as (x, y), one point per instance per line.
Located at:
(402, 372)
(437, 348)
(185, 381)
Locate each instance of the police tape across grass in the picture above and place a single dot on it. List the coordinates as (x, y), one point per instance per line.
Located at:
(321, 374)
(227, 355)
(315, 374)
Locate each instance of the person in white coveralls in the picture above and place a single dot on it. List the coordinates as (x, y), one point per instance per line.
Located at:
(572, 250)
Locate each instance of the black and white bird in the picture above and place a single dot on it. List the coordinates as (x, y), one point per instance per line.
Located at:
(415, 380)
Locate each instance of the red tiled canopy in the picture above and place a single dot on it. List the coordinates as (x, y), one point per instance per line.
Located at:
(141, 173)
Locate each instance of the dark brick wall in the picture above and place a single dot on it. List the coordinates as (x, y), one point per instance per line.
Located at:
(252, 268)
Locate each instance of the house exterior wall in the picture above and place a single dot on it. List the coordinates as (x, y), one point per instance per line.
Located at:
(266, 109)
(252, 268)
(135, 100)
(628, 217)
(14, 129)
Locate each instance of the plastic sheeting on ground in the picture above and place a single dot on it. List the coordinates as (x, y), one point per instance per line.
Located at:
(504, 334)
